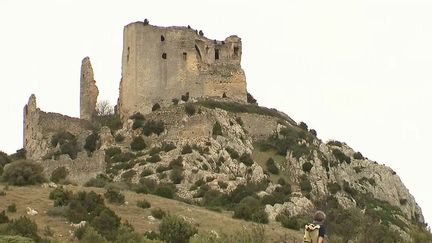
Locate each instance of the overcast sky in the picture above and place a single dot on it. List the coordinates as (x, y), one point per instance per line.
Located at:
(355, 71)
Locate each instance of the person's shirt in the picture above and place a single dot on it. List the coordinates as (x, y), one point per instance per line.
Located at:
(322, 229)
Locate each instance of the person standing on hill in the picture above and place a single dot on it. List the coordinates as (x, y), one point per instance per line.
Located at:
(315, 231)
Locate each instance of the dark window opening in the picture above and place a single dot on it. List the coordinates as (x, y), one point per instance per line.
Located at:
(236, 51)
(128, 52)
(216, 54)
(184, 56)
(164, 55)
(224, 95)
(162, 38)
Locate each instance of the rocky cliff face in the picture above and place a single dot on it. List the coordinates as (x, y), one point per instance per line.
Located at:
(217, 145)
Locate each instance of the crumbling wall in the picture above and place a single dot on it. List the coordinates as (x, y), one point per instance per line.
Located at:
(163, 63)
(88, 91)
(81, 169)
(39, 127)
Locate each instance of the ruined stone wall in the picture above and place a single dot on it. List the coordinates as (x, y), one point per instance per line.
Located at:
(163, 63)
(88, 91)
(81, 169)
(39, 127)
(259, 126)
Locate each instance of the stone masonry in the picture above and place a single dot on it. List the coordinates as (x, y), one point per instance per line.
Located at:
(160, 64)
(88, 91)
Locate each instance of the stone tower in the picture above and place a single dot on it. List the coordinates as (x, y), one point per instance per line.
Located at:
(160, 64)
(88, 91)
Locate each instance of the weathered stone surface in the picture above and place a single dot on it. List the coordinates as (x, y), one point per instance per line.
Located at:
(88, 91)
(163, 63)
(298, 205)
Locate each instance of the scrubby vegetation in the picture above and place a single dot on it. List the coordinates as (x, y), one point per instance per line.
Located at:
(190, 109)
(59, 174)
(217, 129)
(174, 229)
(138, 144)
(23, 172)
(67, 142)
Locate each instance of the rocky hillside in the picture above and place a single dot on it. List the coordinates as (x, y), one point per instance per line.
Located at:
(254, 161)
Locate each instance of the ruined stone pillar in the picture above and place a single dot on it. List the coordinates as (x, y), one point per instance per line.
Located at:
(88, 91)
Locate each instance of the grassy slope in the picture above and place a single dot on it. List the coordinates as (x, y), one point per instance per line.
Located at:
(37, 197)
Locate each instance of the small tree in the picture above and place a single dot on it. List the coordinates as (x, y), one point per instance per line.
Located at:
(174, 229)
(138, 144)
(271, 166)
(307, 166)
(59, 174)
(23, 172)
(217, 129)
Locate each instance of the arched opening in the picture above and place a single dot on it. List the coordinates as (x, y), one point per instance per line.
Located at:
(184, 56)
(216, 54)
(162, 38)
(164, 55)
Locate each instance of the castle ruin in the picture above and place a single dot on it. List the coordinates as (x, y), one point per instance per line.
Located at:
(160, 64)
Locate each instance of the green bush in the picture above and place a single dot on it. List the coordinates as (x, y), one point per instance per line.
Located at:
(137, 116)
(174, 229)
(91, 142)
(154, 159)
(106, 223)
(138, 144)
(4, 159)
(288, 222)
(11, 208)
(114, 196)
(162, 168)
(222, 184)
(3, 218)
(143, 204)
(23, 172)
(333, 187)
(176, 175)
(307, 166)
(59, 174)
(153, 127)
(305, 184)
(178, 162)
(168, 146)
(250, 209)
(22, 226)
(164, 190)
(272, 167)
(187, 149)
(147, 172)
(156, 107)
(128, 175)
(119, 138)
(303, 126)
(158, 213)
(190, 109)
(232, 152)
(100, 181)
(358, 155)
(68, 143)
(90, 235)
(334, 143)
(340, 156)
(137, 124)
(123, 157)
(112, 151)
(246, 159)
(60, 196)
(217, 129)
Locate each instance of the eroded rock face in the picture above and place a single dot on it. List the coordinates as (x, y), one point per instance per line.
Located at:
(88, 91)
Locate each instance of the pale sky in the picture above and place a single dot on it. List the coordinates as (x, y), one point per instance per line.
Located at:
(355, 71)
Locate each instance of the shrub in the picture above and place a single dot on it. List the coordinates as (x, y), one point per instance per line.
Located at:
(234, 154)
(358, 155)
(162, 168)
(164, 190)
(23, 172)
(222, 184)
(2, 193)
(178, 162)
(272, 167)
(190, 109)
(138, 144)
(174, 229)
(153, 127)
(313, 132)
(23, 226)
(67, 142)
(137, 116)
(123, 157)
(143, 204)
(251, 99)
(114, 196)
(217, 129)
(106, 223)
(4, 159)
(334, 187)
(59, 174)
(176, 175)
(288, 222)
(158, 213)
(185, 97)
(100, 181)
(187, 149)
(153, 159)
(3, 218)
(60, 196)
(334, 143)
(119, 138)
(91, 142)
(305, 184)
(90, 235)
(112, 151)
(250, 209)
(340, 156)
(303, 126)
(137, 124)
(11, 208)
(127, 176)
(246, 159)
(147, 172)
(156, 107)
(307, 166)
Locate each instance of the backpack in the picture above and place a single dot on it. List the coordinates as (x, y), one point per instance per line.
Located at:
(311, 233)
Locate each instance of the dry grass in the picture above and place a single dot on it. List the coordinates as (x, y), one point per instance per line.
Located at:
(36, 197)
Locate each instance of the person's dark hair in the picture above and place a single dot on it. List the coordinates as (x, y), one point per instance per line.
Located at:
(319, 216)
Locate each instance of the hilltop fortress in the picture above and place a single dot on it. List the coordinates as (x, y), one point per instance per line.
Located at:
(161, 66)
